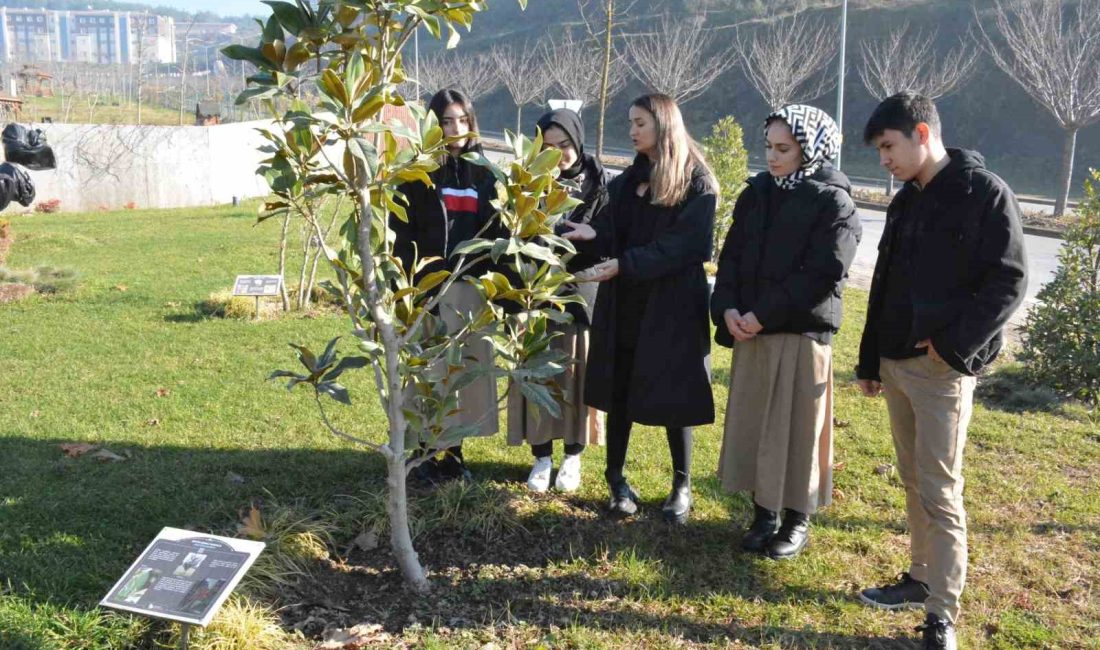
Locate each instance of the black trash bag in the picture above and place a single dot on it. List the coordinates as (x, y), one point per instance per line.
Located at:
(15, 185)
(27, 147)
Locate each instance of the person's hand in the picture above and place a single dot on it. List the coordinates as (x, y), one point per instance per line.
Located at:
(578, 231)
(931, 350)
(732, 318)
(604, 271)
(750, 324)
(869, 387)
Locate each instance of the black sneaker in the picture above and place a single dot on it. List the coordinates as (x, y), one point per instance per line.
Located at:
(906, 593)
(938, 634)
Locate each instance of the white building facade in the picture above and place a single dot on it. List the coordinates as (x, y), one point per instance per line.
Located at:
(42, 35)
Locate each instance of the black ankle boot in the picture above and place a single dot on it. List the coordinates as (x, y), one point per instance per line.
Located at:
(764, 524)
(678, 504)
(624, 500)
(792, 536)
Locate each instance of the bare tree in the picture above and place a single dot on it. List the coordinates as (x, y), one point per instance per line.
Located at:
(524, 73)
(904, 61)
(600, 19)
(785, 60)
(183, 66)
(577, 70)
(473, 74)
(1053, 53)
(674, 58)
(434, 73)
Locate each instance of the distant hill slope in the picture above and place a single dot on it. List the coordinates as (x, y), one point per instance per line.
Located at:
(991, 113)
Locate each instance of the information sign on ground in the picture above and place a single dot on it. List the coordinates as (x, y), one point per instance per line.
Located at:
(183, 576)
(257, 285)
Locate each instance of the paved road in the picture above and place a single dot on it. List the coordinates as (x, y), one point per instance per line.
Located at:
(1042, 259)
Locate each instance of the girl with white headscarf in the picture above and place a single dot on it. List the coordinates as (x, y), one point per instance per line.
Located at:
(777, 300)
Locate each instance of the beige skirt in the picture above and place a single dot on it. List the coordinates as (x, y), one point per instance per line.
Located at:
(578, 423)
(477, 403)
(778, 440)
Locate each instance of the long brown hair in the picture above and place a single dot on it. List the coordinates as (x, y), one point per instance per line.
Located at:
(678, 156)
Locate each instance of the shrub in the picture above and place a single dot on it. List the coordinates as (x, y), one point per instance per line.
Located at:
(48, 207)
(44, 279)
(6, 240)
(725, 151)
(1062, 332)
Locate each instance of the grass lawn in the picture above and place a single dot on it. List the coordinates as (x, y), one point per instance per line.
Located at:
(126, 361)
(102, 110)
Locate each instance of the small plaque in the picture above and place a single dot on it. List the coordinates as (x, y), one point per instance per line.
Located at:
(183, 576)
(257, 285)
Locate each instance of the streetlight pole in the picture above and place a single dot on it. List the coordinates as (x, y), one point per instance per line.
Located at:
(840, 79)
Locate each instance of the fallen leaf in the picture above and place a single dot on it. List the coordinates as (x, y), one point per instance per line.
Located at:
(152, 422)
(354, 638)
(234, 478)
(367, 540)
(77, 449)
(839, 467)
(841, 424)
(838, 495)
(885, 468)
(163, 392)
(108, 456)
(35, 413)
(122, 288)
(252, 524)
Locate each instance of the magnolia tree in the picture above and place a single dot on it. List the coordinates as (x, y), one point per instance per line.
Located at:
(344, 147)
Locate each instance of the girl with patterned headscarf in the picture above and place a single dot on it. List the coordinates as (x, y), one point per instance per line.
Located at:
(777, 297)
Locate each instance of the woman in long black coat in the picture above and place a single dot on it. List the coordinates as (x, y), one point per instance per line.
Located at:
(649, 358)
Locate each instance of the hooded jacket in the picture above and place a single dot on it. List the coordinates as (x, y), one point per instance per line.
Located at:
(442, 217)
(591, 180)
(966, 264)
(788, 268)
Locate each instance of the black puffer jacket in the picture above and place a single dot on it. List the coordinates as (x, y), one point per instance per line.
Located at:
(968, 268)
(788, 268)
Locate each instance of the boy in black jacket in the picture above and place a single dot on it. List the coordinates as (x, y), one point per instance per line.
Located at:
(951, 271)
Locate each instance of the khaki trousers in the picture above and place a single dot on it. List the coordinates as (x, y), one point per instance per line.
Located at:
(930, 405)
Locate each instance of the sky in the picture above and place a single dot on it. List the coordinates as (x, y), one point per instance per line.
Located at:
(223, 7)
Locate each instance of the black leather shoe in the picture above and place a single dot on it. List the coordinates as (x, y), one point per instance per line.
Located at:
(937, 634)
(764, 524)
(624, 500)
(678, 504)
(792, 536)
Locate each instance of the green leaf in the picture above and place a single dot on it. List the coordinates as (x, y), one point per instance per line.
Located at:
(244, 53)
(347, 363)
(288, 14)
(308, 359)
(432, 280)
(335, 391)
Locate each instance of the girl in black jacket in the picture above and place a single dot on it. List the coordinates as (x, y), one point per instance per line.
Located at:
(778, 294)
(649, 358)
(579, 425)
(439, 219)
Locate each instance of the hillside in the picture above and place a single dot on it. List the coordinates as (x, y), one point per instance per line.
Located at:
(985, 115)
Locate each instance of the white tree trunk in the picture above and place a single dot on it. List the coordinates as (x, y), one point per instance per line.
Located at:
(1066, 181)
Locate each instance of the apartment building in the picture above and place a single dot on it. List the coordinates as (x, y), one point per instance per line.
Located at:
(42, 35)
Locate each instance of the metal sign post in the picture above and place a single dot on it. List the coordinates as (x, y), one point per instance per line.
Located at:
(185, 634)
(257, 286)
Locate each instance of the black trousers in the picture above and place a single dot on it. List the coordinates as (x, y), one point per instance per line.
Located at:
(619, 425)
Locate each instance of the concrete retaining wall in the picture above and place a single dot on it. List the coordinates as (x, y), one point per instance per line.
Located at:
(110, 166)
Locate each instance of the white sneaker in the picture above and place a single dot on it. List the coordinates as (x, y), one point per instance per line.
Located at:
(569, 474)
(539, 480)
